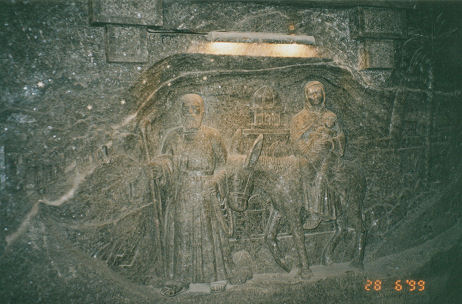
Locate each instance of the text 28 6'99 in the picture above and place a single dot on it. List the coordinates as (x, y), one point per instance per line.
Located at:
(398, 285)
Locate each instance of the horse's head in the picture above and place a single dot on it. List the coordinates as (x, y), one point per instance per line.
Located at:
(240, 177)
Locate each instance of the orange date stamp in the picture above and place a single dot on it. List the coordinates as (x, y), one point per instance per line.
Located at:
(397, 285)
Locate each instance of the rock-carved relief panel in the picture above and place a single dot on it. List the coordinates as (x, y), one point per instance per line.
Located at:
(225, 171)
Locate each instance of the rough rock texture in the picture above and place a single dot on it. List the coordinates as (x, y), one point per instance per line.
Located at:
(75, 209)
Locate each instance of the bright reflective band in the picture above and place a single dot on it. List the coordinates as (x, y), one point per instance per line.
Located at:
(254, 49)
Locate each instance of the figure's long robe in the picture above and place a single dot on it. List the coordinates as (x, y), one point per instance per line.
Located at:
(195, 246)
(321, 159)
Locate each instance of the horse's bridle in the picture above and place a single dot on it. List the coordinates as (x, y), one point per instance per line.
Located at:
(241, 195)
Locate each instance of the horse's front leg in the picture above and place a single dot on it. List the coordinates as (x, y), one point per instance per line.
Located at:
(271, 233)
(299, 239)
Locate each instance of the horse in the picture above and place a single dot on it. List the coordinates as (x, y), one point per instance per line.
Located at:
(349, 185)
(281, 179)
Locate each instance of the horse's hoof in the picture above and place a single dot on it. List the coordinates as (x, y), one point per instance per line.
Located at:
(239, 277)
(312, 223)
(305, 273)
(286, 263)
(173, 288)
(171, 291)
(326, 261)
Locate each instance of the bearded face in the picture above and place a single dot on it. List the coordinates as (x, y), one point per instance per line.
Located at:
(192, 112)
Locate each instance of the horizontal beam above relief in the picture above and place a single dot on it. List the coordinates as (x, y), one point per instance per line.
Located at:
(258, 37)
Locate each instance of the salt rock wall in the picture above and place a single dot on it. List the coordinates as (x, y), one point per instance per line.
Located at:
(76, 221)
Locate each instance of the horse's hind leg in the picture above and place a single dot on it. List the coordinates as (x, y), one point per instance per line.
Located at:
(360, 239)
(360, 243)
(271, 233)
(356, 217)
(326, 257)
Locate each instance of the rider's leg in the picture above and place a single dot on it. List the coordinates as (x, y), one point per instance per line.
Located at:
(299, 240)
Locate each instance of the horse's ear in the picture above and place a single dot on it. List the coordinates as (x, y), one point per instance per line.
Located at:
(254, 153)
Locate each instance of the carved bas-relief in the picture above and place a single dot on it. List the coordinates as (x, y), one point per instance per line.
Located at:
(234, 184)
(256, 176)
(310, 179)
(198, 188)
